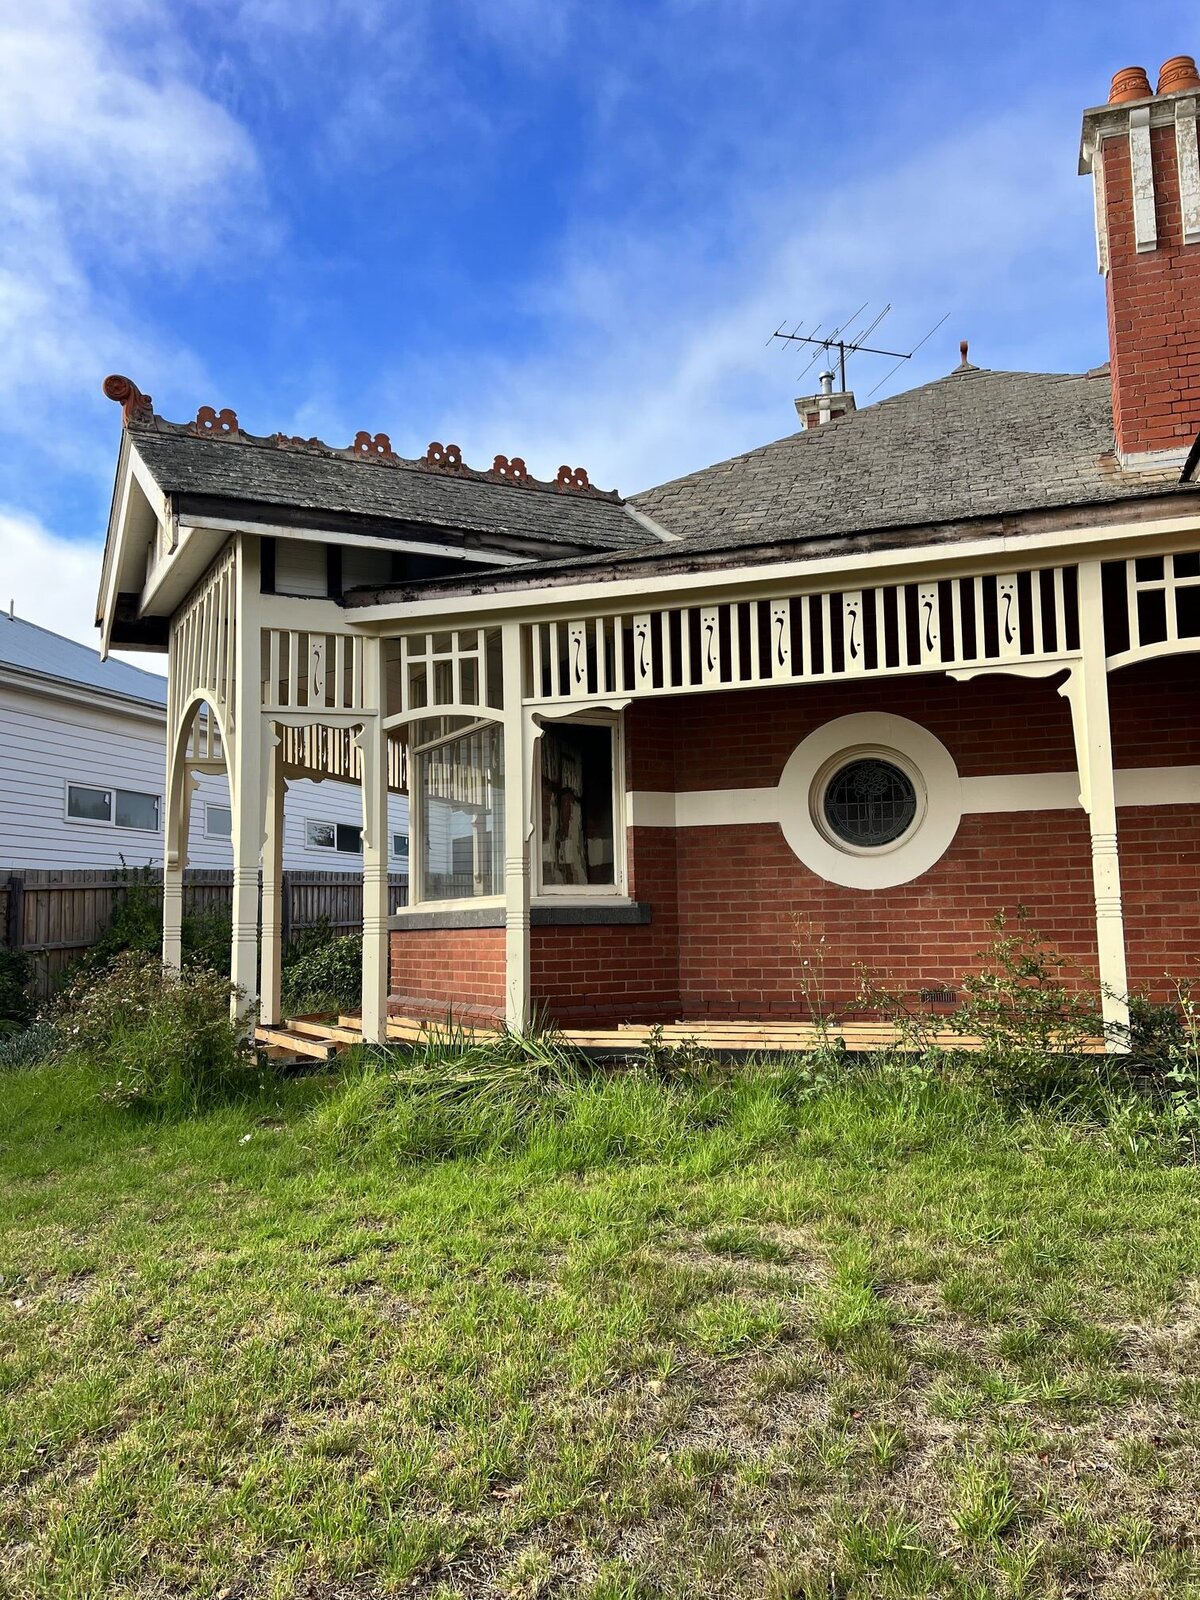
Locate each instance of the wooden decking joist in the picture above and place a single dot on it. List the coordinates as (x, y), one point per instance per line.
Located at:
(318, 1038)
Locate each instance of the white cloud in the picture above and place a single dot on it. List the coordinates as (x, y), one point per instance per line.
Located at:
(53, 582)
(111, 163)
(653, 361)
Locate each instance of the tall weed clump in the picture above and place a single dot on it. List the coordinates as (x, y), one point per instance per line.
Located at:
(451, 1096)
(1030, 1009)
(156, 1038)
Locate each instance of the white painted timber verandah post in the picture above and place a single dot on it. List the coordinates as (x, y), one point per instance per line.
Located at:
(517, 829)
(249, 734)
(175, 830)
(373, 746)
(271, 1002)
(1087, 690)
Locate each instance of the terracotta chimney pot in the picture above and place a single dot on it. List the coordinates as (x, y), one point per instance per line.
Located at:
(1176, 74)
(1131, 83)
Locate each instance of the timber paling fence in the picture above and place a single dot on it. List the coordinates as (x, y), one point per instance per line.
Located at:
(55, 914)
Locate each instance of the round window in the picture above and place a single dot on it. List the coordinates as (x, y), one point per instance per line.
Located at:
(868, 802)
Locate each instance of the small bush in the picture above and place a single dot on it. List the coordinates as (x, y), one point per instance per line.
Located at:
(157, 1038)
(1035, 1025)
(136, 925)
(322, 971)
(207, 938)
(1031, 1010)
(27, 1047)
(16, 974)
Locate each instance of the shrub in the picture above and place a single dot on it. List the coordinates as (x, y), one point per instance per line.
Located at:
(136, 925)
(322, 971)
(1035, 1026)
(207, 940)
(157, 1038)
(27, 1047)
(16, 974)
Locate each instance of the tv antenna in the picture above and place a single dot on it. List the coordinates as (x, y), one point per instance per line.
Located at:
(837, 340)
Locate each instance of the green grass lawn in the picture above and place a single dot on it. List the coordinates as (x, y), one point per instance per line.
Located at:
(883, 1340)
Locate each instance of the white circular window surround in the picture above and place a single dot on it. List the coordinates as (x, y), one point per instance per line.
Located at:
(817, 762)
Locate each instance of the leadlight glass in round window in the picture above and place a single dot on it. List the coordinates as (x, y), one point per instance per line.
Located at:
(869, 802)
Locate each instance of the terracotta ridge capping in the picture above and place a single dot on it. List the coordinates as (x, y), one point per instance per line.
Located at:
(138, 413)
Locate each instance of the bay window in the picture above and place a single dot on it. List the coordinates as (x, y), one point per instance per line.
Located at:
(460, 809)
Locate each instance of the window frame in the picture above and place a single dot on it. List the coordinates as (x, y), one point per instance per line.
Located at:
(833, 769)
(111, 790)
(334, 849)
(416, 839)
(618, 888)
(215, 805)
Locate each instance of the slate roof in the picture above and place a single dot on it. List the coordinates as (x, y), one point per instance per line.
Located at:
(35, 650)
(384, 492)
(973, 444)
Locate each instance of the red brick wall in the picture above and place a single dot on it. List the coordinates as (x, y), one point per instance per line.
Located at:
(1153, 711)
(746, 903)
(731, 906)
(438, 971)
(1160, 883)
(1153, 306)
(752, 914)
(743, 739)
(610, 974)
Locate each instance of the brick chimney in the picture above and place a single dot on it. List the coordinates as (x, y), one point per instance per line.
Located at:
(814, 409)
(1141, 151)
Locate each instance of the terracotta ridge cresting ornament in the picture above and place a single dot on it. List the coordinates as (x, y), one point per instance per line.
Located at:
(135, 406)
(374, 448)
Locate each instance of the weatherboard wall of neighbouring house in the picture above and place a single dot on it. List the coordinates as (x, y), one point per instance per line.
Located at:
(78, 735)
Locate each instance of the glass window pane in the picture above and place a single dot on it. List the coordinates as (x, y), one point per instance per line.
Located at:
(137, 810)
(349, 838)
(400, 844)
(320, 835)
(870, 802)
(578, 846)
(461, 795)
(219, 822)
(89, 805)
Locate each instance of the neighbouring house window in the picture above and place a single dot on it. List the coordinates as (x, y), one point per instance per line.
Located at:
(579, 806)
(218, 822)
(344, 837)
(121, 808)
(89, 805)
(400, 845)
(461, 815)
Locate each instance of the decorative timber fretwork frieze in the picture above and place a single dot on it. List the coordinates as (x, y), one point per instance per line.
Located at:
(201, 660)
(139, 415)
(315, 750)
(812, 637)
(317, 672)
(1151, 606)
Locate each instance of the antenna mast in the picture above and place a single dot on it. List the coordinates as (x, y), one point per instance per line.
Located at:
(837, 341)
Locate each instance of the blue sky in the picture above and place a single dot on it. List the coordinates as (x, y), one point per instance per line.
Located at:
(548, 228)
